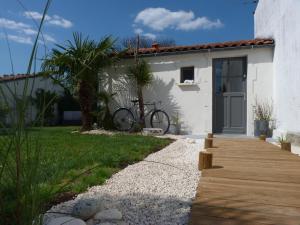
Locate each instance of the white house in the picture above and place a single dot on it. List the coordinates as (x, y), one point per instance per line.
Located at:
(280, 20)
(224, 81)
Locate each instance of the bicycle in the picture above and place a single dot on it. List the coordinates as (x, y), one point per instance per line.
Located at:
(125, 118)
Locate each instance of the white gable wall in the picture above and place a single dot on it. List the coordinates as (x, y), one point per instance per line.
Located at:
(279, 19)
(194, 103)
(32, 85)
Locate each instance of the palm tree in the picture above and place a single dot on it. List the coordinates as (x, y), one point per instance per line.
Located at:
(76, 67)
(141, 74)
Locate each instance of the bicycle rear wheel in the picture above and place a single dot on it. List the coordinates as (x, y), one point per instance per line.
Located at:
(160, 119)
(123, 119)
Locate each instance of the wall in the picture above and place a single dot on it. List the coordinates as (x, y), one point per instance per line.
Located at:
(279, 19)
(194, 103)
(17, 87)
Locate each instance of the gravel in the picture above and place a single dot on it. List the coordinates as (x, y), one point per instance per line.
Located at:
(158, 190)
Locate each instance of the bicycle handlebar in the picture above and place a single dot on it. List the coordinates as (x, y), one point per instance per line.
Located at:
(146, 103)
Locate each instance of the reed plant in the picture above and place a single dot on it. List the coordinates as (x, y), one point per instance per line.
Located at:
(21, 180)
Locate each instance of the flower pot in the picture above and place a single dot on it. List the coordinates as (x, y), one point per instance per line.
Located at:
(262, 137)
(261, 127)
(286, 146)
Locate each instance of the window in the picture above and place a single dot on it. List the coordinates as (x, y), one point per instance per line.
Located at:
(187, 73)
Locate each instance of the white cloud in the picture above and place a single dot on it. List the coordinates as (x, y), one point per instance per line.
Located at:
(29, 31)
(48, 38)
(17, 26)
(54, 20)
(13, 25)
(20, 39)
(160, 18)
(150, 36)
(17, 38)
(59, 21)
(138, 31)
(34, 15)
(200, 23)
(23, 32)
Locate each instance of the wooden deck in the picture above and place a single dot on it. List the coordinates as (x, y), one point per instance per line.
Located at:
(252, 182)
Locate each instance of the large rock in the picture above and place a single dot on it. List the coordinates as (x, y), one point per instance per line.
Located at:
(108, 215)
(106, 223)
(66, 220)
(115, 223)
(86, 208)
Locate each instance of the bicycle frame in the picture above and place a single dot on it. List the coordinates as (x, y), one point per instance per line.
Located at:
(134, 109)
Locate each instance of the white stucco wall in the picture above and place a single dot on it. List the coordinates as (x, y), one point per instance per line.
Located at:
(194, 103)
(280, 20)
(17, 88)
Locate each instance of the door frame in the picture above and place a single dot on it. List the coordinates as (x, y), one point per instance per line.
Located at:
(214, 115)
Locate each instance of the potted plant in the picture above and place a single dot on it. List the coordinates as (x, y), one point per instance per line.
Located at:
(177, 123)
(263, 116)
(284, 143)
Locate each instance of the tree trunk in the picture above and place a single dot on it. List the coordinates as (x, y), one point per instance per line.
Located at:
(141, 107)
(86, 103)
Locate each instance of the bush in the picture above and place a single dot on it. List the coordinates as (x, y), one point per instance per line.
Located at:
(45, 102)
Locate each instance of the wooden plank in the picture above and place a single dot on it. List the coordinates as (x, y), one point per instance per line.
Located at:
(252, 182)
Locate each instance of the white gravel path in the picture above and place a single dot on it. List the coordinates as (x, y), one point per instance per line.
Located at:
(158, 190)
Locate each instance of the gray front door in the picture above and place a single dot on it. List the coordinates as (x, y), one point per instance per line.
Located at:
(229, 87)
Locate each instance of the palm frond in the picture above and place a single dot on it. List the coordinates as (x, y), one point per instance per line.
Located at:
(141, 73)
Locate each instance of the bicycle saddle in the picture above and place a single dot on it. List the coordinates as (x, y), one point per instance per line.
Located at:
(134, 101)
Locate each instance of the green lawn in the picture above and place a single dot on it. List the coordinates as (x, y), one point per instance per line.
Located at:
(68, 155)
(86, 160)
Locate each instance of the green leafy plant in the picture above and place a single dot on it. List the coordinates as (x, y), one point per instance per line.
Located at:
(45, 102)
(177, 123)
(263, 111)
(20, 165)
(76, 67)
(141, 74)
(282, 139)
(4, 110)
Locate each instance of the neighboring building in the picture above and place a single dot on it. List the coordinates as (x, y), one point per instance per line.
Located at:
(280, 20)
(213, 87)
(15, 84)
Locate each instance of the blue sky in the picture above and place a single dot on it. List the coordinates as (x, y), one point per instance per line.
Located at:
(185, 21)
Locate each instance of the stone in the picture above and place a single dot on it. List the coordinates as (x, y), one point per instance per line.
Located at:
(191, 141)
(90, 222)
(66, 220)
(152, 131)
(106, 223)
(86, 208)
(122, 223)
(108, 215)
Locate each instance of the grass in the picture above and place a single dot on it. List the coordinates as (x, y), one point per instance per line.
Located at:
(72, 162)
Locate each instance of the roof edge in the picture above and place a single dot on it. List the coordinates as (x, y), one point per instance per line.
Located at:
(230, 45)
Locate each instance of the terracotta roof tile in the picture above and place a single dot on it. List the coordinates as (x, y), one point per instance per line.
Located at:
(213, 46)
(10, 77)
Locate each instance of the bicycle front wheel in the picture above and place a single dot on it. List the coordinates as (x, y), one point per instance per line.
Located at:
(160, 119)
(123, 119)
